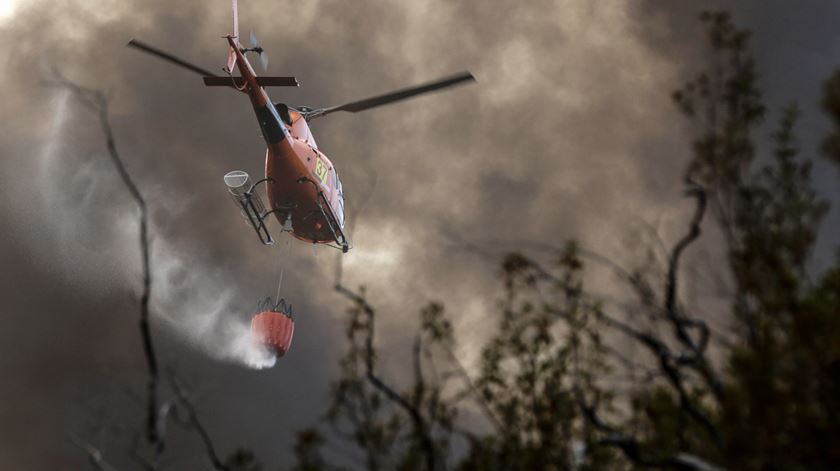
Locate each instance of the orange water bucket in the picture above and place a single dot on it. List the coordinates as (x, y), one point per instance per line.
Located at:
(275, 330)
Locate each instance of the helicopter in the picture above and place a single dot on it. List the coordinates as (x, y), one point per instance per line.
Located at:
(303, 188)
(301, 184)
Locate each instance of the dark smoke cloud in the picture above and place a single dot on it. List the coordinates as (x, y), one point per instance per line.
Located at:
(569, 133)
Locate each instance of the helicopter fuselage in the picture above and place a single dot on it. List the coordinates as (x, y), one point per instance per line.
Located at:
(302, 185)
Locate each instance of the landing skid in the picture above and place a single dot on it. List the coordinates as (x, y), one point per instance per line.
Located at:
(250, 204)
(253, 210)
(338, 234)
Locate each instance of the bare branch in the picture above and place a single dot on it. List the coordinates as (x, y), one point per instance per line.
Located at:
(679, 322)
(195, 423)
(473, 390)
(419, 377)
(632, 448)
(670, 363)
(421, 428)
(98, 102)
(138, 457)
(670, 366)
(95, 456)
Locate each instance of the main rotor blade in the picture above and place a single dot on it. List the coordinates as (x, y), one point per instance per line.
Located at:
(168, 57)
(404, 94)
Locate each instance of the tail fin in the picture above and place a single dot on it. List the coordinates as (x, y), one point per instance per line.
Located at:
(231, 61)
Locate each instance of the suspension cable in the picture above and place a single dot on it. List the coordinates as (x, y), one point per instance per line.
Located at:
(282, 269)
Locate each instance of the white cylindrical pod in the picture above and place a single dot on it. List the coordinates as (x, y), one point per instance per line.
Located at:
(238, 183)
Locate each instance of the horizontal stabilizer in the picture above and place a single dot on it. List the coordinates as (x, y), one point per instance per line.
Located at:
(263, 81)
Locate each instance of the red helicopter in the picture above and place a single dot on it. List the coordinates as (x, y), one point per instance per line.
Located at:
(303, 189)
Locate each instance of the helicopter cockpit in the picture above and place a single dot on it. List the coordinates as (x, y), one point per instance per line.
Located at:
(283, 111)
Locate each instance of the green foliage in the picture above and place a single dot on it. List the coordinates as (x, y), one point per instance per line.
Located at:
(777, 413)
(544, 354)
(726, 104)
(777, 223)
(664, 429)
(784, 402)
(242, 459)
(308, 452)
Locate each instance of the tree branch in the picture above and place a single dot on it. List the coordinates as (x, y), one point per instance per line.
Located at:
(681, 323)
(195, 423)
(98, 102)
(632, 448)
(473, 390)
(421, 428)
(671, 368)
(95, 456)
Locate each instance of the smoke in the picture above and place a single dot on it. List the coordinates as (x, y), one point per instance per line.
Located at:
(189, 296)
(49, 151)
(570, 132)
(196, 302)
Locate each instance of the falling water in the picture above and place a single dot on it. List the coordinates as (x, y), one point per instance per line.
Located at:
(58, 103)
(198, 307)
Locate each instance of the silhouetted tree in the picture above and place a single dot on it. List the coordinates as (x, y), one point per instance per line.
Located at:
(770, 399)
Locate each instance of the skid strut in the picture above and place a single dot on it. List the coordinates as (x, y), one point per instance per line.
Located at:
(251, 205)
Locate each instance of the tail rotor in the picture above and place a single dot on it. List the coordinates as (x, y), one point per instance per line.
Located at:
(255, 47)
